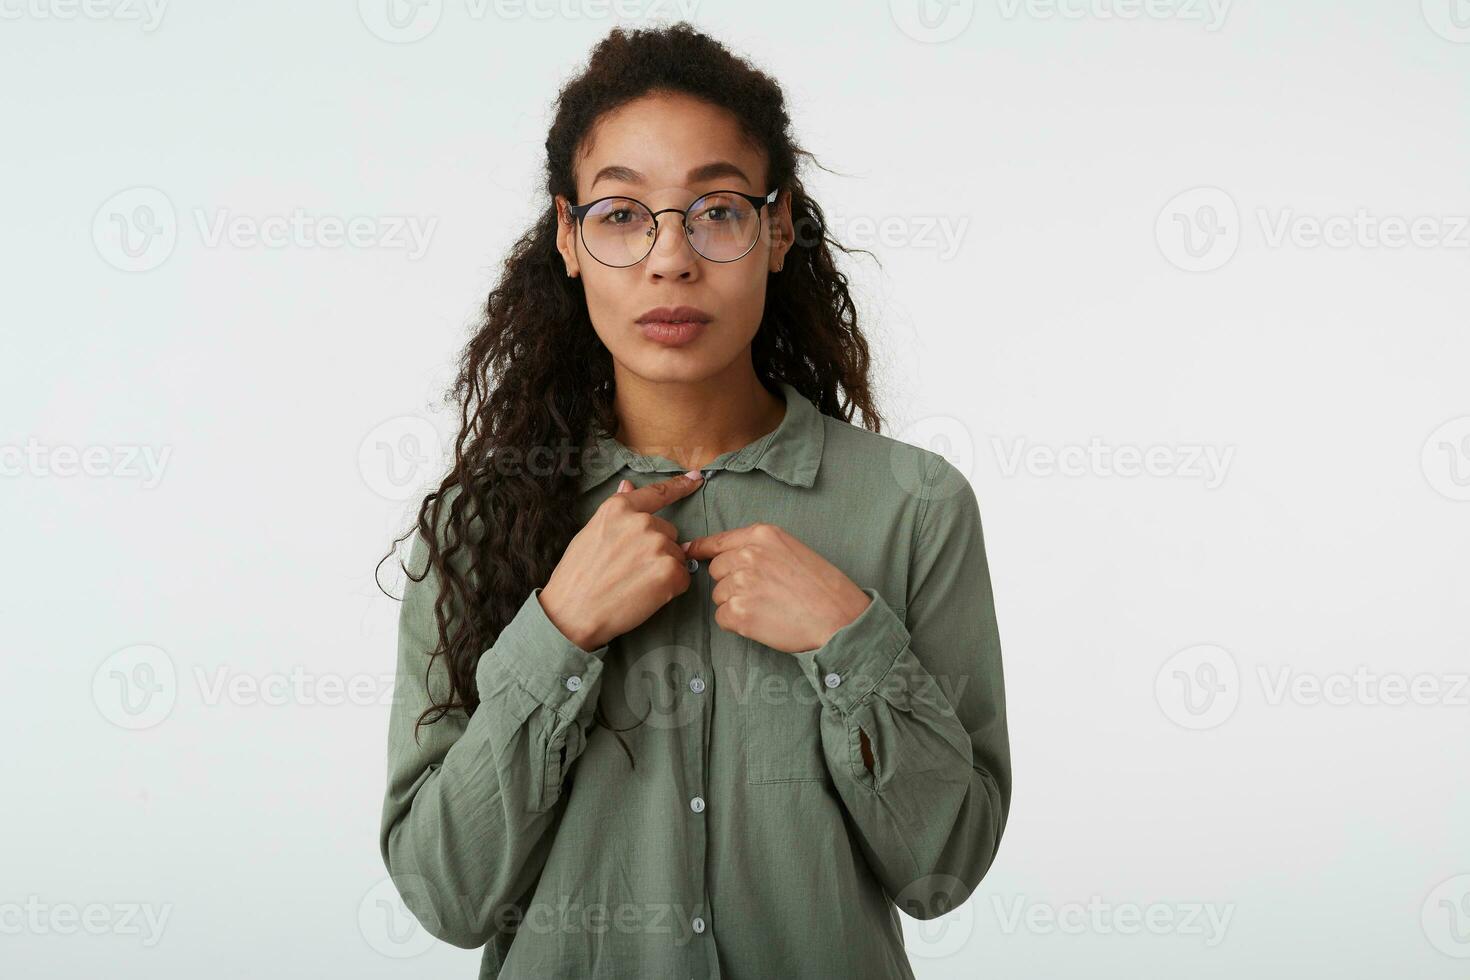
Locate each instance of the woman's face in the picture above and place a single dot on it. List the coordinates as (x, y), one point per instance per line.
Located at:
(666, 150)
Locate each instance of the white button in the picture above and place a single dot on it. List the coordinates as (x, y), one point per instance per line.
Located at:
(832, 680)
(574, 683)
(697, 804)
(696, 685)
(698, 924)
(692, 564)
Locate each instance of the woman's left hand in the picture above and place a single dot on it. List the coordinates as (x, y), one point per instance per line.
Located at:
(773, 589)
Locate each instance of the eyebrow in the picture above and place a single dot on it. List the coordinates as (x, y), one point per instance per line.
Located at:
(708, 171)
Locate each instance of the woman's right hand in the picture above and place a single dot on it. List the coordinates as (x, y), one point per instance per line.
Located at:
(622, 567)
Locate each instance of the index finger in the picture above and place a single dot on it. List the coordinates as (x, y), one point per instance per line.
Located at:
(650, 498)
(711, 545)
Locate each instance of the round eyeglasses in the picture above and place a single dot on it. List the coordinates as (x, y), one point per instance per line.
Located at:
(722, 226)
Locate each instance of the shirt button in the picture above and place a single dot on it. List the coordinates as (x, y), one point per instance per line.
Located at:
(698, 924)
(697, 804)
(832, 680)
(574, 683)
(692, 564)
(696, 684)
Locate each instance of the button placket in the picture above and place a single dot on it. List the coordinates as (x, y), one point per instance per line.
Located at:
(701, 730)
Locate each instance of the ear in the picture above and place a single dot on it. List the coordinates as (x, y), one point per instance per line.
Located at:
(566, 236)
(783, 235)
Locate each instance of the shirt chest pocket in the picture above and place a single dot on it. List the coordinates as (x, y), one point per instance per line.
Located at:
(780, 718)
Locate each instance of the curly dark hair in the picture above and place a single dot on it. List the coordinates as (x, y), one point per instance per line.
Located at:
(535, 379)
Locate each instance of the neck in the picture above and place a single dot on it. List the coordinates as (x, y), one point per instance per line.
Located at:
(692, 422)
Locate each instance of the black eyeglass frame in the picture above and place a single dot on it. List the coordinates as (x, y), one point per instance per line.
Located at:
(757, 201)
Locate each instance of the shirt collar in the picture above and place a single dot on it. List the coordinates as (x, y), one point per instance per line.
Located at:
(791, 452)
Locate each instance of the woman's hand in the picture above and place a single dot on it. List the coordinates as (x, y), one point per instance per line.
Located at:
(622, 567)
(775, 590)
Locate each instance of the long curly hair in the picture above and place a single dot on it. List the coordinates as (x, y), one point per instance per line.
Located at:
(535, 381)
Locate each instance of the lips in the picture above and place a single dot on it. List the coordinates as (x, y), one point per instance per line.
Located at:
(675, 314)
(673, 326)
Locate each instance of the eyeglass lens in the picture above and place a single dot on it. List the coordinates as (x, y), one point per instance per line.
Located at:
(619, 231)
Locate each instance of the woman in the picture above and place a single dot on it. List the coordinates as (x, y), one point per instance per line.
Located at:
(696, 677)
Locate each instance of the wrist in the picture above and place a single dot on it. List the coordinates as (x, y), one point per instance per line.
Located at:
(852, 609)
(582, 637)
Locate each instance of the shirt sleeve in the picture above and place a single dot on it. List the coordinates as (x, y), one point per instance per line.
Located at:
(928, 698)
(470, 804)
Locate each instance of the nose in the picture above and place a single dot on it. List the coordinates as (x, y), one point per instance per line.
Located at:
(672, 255)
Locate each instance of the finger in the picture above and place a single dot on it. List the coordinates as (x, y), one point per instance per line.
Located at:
(672, 549)
(650, 498)
(727, 561)
(723, 590)
(711, 545)
(668, 530)
(624, 486)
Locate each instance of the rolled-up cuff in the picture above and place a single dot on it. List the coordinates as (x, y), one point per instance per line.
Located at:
(854, 660)
(552, 668)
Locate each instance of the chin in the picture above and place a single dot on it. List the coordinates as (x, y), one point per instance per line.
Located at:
(675, 365)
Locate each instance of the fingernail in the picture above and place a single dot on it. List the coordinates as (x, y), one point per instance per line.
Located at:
(623, 486)
(695, 475)
(685, 546)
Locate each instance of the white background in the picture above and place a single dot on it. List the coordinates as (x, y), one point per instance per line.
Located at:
(1045, 291)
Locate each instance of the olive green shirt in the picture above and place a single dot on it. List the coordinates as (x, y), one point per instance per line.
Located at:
(751, 840)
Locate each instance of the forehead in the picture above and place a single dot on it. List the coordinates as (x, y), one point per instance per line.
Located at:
(666, 141)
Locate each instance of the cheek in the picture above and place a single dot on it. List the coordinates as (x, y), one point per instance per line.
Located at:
(741, 304)
(608, 297)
